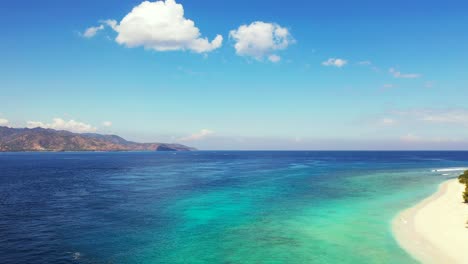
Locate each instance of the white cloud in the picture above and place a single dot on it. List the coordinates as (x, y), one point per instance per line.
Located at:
(364, 63)
(388, 121)
(107, 123)
(161, 26)
(410, 138)
(429, 84)
(4, 122)
(335, 62)
(456, 116)
(260, 39)
(60, 124)
(92, 31)
(274, 58)
(111, 23)
(398, 74)
(197, 136)
(369, 65)
(447, 116)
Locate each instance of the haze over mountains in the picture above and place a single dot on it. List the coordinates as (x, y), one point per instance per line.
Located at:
(40, 139)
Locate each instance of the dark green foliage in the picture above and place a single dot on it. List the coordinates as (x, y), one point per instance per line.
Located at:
(465, 194)
(463, 178)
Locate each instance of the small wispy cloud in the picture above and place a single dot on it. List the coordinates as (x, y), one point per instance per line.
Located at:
(92, 31)
(397, 74)
(410, 138)
(369, 64)
(190, 71)
(198, 136)
(60, 124)
(4, 122)
(274, 58)
(107, 123)
(448, 116)
(335, 62)
(456, 116)
(110, 23)
(386, 121)
(364, 63)
(429, 84)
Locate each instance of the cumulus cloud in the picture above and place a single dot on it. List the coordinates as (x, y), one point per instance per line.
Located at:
(60, 124)
(92, 31)
(161, 26)
(107, 123)
(197, 136)
(398, 74)
(335, 62)
(4, 122)
(260, 40)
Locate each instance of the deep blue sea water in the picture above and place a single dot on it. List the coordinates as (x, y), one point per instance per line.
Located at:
(211, 207)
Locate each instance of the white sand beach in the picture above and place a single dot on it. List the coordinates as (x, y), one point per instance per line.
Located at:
(435, 230)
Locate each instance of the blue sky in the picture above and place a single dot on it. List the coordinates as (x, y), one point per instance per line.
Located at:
(344, 74)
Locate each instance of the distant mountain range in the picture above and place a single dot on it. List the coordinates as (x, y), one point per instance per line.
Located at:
(40, 139)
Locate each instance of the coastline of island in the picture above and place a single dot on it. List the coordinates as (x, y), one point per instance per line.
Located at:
(50, 140)
(435, 230)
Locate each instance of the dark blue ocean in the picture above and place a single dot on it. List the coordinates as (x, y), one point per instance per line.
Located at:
(212, 207)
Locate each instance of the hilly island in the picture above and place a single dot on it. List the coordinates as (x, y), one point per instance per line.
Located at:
(41, 139)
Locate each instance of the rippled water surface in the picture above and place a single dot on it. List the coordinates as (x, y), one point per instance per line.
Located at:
(211, 207)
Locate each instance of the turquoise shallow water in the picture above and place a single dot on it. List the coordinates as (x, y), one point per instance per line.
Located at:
(211, 207)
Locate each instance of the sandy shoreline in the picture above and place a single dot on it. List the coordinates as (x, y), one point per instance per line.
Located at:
(435, 230)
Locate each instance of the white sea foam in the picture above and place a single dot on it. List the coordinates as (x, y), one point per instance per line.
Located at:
(76, 255)
(450, 169)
